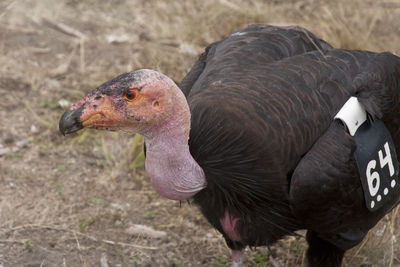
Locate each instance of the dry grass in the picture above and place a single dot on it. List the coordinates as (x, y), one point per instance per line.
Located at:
(53, 50)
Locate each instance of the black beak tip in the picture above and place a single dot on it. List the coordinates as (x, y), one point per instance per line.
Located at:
(70, 121)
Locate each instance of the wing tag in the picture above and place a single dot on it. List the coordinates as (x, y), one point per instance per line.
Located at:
(375, 156)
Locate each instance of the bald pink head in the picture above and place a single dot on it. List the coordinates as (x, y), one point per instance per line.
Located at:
(138, 102)
(149, 103)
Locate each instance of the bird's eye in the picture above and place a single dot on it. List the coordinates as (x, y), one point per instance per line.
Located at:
(130, 94)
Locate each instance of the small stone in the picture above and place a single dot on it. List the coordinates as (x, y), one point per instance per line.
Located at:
(34, 129)
(117, 206)
(22, 143)
(9, 140)
(380, 232)
(12, 184)
(103, 260)
(143, 230)
(144, 36)
(63, 103)
(115, 39)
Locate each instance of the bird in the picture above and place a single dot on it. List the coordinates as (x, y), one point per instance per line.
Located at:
(250, 136)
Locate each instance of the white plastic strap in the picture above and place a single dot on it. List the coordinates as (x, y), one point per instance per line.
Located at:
(352, 114)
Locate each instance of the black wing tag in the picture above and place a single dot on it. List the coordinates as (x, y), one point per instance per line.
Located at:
(375, 155)
(377, 163)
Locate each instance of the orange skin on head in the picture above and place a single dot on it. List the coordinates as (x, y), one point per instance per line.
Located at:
(100, 114)
(118, 112)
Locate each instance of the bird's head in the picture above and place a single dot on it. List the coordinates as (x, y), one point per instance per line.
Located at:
(149, 103)
(141, 101)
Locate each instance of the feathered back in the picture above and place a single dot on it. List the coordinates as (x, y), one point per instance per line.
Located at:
(272, 43)
(256, 114)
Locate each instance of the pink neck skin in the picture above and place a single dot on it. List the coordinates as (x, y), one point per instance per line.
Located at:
(228, 223)
(172, 170)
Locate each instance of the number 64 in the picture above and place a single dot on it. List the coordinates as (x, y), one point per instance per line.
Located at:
(373, 178)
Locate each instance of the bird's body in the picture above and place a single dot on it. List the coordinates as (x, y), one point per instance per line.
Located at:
(287, 164)
(267, 156)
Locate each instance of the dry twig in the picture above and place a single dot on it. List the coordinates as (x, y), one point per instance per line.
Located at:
(61, 27)
(68, 30)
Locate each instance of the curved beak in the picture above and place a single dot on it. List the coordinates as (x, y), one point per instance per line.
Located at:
(93, 111)
(70, 121)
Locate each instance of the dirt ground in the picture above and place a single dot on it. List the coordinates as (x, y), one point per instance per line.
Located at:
(78, 200)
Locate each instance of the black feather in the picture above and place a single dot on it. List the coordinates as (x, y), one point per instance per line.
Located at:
(262, 102)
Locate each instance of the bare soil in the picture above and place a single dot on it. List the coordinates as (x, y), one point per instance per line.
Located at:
(70, 201)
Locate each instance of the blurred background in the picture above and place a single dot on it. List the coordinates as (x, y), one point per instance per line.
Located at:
(84, 200)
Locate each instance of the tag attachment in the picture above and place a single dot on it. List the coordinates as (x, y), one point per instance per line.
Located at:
(352, 114)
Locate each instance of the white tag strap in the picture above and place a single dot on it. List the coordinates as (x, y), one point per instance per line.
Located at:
(352, 114)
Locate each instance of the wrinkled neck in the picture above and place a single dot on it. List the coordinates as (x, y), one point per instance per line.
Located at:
(172, 170)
